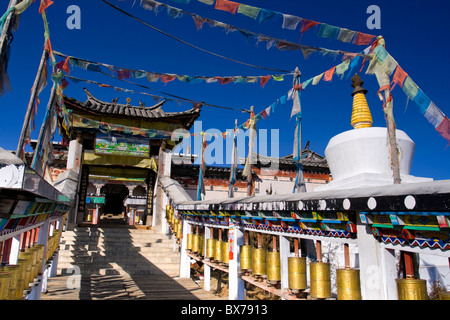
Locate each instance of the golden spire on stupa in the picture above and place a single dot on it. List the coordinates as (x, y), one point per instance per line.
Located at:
(361, 116)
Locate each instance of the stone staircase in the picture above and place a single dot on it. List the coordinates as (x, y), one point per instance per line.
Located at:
(117, 250)
(120, 263)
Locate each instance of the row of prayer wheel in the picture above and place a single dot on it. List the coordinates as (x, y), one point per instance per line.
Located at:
(216, 250)
(174, 223)
(14, 279)
(266, 264)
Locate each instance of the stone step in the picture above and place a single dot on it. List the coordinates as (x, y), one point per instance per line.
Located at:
(124, 259)
(147, 252)
(107, 269)
(117, 247)
(118, 236)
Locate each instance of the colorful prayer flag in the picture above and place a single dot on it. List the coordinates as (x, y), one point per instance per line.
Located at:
(346, 35)
(327, 31)
(399, 78)
(290, 22)
(307, 24)
(410, 88)
(444, 129)
(249, 11)
(44, 5)
(225, 5)
(434, 115)
(328, 76)
(265, 15)
(363, 39)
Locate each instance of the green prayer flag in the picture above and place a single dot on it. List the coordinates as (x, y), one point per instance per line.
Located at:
(249, 11)
(410, 88)
(278, 78)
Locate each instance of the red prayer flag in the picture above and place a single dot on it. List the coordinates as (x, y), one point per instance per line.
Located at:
(167, 78)
(264, 114)
(329, 74)
(226, 5)
(44, 5)
(399, 78)
(65, 66)
(307, 24)
(264, 80)
(444, 129)
(363, 39)
(225, 80)
(48, 46)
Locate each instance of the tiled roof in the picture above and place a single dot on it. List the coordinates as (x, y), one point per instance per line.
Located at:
(96, 106)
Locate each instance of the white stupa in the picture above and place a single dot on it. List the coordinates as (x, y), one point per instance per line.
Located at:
(360, 157)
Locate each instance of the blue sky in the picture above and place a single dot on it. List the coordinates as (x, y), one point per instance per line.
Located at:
(414, 31)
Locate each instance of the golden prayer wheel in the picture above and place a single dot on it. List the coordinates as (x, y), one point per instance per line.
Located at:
(172, 215)
(210, 248)
(297, 273)
(178, 232)
(35, 261)
(348, 284)
(259, 262)
(225, 252)
(273, 267)
(246, 256)
(218, 256)
(190, 241)
(5, 278)
(412, 289)
(444, 296)
(15, 271)
(320, 286)
(167, 211)
(22, 283)
(40, 249)
(195, 243)
(28, 256)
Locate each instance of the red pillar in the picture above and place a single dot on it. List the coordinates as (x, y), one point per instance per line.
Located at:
(6, 250)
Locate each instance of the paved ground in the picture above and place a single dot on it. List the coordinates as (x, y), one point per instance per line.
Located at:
(124, 287)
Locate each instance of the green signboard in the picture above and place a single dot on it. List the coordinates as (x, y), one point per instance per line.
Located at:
(122, 146)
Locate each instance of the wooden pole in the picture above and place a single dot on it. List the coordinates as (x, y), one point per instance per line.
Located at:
(274, 243)
(347, 256)
(319, 250)
(409, 265)
(296, 247)
(26, 122)
(250, 154)
(41, 132)
(392, 136)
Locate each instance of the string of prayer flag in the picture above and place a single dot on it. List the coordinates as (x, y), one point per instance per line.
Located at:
(125, 73)
(291, 22)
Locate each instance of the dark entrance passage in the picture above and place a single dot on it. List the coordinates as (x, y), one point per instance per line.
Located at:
(114, 209)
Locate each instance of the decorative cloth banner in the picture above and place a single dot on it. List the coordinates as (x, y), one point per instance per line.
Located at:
(290, 22)
(124, 73)
(249, 11)
(225, 5)
(83, 122)
(383, 62)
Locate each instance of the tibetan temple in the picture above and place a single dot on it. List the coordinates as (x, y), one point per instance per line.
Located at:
(117, 193)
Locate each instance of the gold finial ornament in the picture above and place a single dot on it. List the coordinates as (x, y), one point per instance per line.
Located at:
(361, 116)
